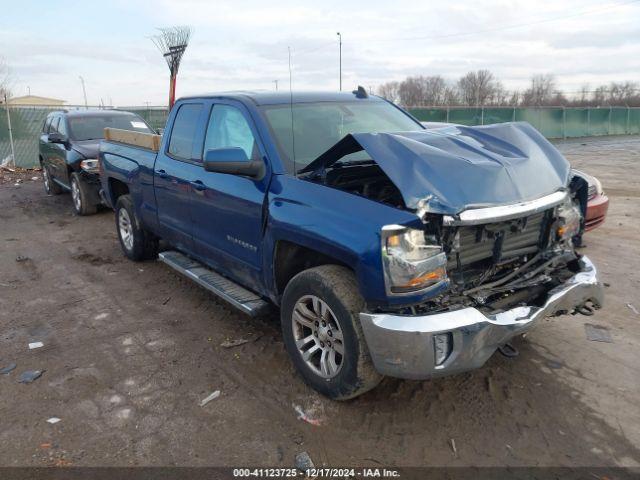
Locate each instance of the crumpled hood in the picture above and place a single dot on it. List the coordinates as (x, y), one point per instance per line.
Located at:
(451, 169)
(87, 148)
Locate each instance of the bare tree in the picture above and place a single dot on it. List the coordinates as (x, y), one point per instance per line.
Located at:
(584, 95)
(623, 93)
(435, 89)
(451, 96)
(477, 88)
(172, 43)
(421, 90)
(541, 91)
(412, 91)
(390, 91)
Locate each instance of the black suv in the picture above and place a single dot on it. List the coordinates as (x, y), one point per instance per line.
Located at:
(69, 145)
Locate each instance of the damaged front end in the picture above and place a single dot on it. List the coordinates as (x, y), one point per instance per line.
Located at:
(501, 218)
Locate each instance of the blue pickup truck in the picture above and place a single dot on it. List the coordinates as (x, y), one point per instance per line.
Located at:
(388, 249)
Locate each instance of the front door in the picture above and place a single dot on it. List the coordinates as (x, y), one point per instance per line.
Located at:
(226, 210)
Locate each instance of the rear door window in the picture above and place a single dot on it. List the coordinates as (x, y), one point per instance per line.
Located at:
(184, 131)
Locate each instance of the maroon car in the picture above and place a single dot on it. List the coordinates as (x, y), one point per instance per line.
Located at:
(598, 203)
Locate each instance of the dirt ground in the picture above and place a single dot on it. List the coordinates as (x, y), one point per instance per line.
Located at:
(131, 349)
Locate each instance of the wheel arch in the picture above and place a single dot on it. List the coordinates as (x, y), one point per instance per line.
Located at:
(291, 258)
(116, 188)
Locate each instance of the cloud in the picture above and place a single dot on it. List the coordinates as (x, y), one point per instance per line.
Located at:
(243, 44)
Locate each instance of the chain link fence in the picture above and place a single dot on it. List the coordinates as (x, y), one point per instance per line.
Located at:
(553, 122)
(26, 125)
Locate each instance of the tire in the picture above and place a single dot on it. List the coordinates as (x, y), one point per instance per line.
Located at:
(343, 376)
(51, 187)
(81, 197)
(137, 243)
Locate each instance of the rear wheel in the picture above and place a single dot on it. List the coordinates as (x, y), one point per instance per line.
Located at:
(322, 332)
(136, 242)
(51, 187)
(81, 196)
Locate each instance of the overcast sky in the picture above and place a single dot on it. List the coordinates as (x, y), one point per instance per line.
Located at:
(243, 45)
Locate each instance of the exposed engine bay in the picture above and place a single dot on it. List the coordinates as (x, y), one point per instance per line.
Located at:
(366, 179)
(493, 266)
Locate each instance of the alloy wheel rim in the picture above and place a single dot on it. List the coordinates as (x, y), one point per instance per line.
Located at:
(124, 226)
(75, 195)
(318, 336)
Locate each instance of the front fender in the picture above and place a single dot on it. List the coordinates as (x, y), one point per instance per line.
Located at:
(336, 223)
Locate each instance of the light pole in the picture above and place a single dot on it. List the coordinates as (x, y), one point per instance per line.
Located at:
(276, 82)
(340, 61)
(84, 92)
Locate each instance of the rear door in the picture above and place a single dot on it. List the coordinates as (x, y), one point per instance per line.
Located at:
(44, 140)
(173, 176)
(57, 154)
(61, 152)
(226, 210)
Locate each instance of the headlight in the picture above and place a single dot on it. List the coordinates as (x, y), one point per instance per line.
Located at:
(410, 263)
(89, 165)
(570, 219)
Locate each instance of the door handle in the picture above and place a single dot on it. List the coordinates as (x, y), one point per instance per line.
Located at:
(198, 185)
(162, 174)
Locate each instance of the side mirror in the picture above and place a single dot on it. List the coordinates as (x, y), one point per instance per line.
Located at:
(56, 137)
(233, 161)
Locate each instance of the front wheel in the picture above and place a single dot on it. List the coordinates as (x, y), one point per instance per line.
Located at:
(322, 332)
(81, 196)
(137, 243)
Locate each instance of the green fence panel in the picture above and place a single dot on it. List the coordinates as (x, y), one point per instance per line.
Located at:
(576, 122)
(429, 114)
(26, 125)
(618, 121)
(598, 121)
(498, 115)
(552, 122)
(634, 121)
(466, 116)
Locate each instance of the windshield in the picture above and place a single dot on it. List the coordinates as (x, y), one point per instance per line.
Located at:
(319, 126)
(92, 127)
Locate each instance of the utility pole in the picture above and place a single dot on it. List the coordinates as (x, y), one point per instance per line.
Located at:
(84, 92)
(276, 82)
(340, 61)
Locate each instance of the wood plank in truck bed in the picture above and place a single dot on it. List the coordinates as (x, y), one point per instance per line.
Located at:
(150, 141)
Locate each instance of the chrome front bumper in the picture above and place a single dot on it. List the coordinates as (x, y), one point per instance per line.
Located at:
(403, 346)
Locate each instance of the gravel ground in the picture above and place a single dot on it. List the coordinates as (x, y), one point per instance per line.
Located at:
(131, 349)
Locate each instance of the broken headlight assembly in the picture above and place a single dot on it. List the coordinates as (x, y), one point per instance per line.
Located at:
(569, 221)
(90, 165)
(411, 263)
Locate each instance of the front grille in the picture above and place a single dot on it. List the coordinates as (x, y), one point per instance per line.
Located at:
(497, 241)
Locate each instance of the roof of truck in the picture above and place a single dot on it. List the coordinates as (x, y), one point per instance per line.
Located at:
(283, 97)
(91, 113)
